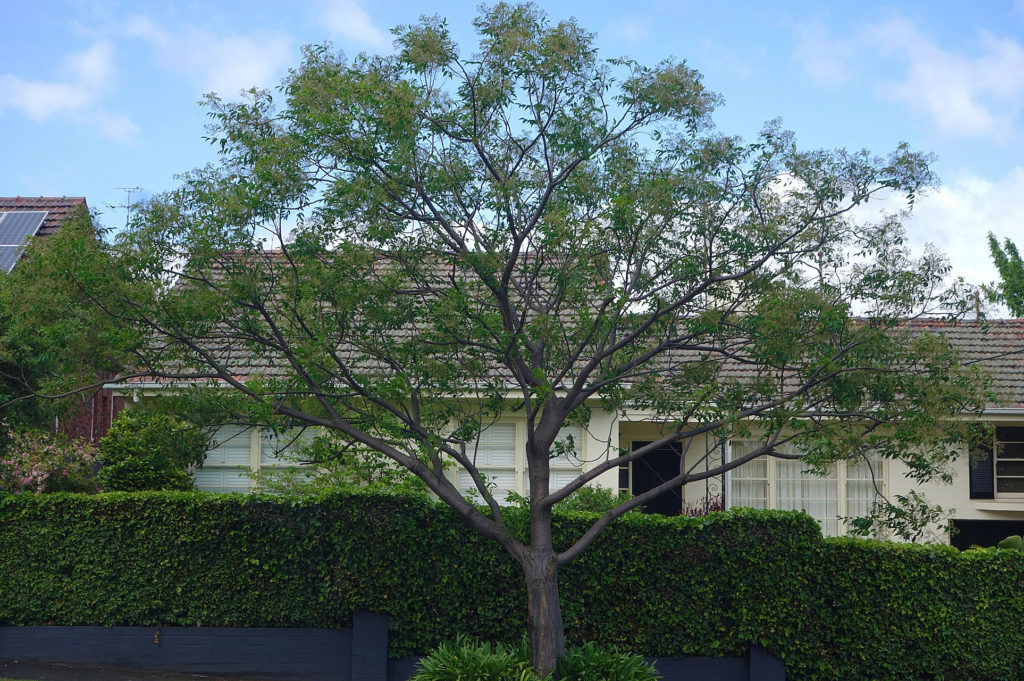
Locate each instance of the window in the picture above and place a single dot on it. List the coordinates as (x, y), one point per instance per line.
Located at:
(797, 490)
(565, 467)
(1009, 460)
(495, 456)
(227, 461)
(501, 458)
(849, 489)
(235, 451)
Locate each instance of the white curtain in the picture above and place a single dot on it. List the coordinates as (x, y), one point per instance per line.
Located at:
(864, 477)
(818, 496)
(794, 490)
(749, 486)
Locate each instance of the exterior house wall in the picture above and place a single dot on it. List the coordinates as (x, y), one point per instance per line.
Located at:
(975, 520)
(237, 449)
(607, 434)
(92, 419)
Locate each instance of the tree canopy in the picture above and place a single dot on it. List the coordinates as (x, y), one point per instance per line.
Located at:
(54, 339)
(404, 249)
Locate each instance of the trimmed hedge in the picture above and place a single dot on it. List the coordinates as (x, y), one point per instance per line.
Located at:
(831, 609)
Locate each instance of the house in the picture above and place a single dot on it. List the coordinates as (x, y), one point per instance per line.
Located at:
(986, 497)
(24, 217)
(985, 501)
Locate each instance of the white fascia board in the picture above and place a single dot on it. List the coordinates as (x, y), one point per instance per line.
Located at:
(153, 387)
(1004, 413)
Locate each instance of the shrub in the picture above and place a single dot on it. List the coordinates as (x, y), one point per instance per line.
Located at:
(466, 660)
(38, 462)
(150, 451)
(593, 500)
(592, 663)
(831, 609)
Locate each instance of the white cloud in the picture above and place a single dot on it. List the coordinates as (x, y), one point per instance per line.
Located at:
(231, 63)
(631, 29)
(976, 94)
(88, 74)
(115, 126)
(222, 63)
(345, 18)
(139, 26)
(825, 58)
(958, 216)
(965, 95)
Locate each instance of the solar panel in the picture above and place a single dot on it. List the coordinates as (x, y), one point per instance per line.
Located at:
(19, 225)
(8, 257)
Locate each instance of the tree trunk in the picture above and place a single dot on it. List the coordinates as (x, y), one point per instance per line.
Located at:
(544, 613)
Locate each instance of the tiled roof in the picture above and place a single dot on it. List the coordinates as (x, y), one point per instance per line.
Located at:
(57, 207)
(997, 345)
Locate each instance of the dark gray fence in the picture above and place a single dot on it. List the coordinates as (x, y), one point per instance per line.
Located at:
(356, 654)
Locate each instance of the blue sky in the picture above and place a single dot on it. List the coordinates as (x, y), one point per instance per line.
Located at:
(97, 96)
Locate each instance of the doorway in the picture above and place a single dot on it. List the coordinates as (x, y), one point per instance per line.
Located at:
(652, 470)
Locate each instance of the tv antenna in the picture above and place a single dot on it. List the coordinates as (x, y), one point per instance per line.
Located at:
(128, 204)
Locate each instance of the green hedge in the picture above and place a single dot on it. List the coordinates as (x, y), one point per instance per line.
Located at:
(831, 609)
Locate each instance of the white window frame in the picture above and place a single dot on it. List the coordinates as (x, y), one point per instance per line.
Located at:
(771, 502)
(996, 449)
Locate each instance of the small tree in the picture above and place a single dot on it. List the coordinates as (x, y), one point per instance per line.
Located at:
(144, 451)
(1011, 270)
(531, 229)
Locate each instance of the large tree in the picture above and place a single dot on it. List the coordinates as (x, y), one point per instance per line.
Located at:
(409, 247)
(53, 339)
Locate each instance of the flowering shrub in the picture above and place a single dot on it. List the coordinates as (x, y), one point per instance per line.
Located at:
(43, 462)
(701, 507)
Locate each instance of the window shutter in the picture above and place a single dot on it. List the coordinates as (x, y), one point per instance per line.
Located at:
(982, 473)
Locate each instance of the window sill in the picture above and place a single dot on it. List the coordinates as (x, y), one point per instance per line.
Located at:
(1001, 505)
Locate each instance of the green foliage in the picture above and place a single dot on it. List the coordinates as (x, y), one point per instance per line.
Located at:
(150, 451)
(328, 463)
(1011, 270)
(465, 660)
(1012, 543)
(593, 500)
(836, 609)
(590, 662)
(53, 337)
(904, 611)
(468, 660)
(533, 227)
(908, 517)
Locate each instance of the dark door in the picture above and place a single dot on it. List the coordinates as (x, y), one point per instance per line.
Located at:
(654, 469)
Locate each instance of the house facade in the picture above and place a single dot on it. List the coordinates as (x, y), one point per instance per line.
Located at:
(983, 504)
